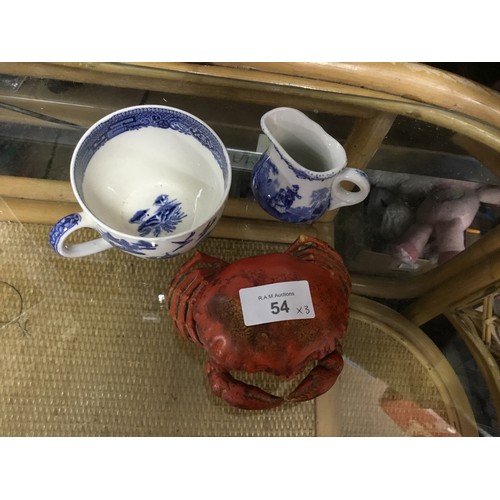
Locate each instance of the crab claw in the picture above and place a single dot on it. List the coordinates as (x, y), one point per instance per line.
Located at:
(237, 393)
(320, 379)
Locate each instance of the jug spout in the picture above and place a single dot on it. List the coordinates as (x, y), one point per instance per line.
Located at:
(302, 142)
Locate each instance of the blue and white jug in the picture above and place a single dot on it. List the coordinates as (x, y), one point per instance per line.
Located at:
(299, 177)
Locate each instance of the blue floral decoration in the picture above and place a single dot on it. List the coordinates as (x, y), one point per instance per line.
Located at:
(133, 248)
(283, 202)
(183, 243)
(207, 229)
(193, 237)
(64, 225)
(166, 218)
(135, 119)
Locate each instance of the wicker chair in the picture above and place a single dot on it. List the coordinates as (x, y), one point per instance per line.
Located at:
(374, 96)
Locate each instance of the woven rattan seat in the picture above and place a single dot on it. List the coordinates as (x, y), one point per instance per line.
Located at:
(86, 349)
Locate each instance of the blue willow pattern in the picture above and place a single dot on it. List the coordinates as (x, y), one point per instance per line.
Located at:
(61, 228)
(166, 218)
(137, 248)
(152, 117)
(284, 202)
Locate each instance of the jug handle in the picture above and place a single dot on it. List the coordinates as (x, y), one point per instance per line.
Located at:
(342, 197)
(68, 225)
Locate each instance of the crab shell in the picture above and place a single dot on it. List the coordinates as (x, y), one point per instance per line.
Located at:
(205, 305)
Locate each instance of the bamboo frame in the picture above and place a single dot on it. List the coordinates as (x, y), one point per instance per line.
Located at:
(415, 81)
(427, 353)
(456, 103)
(475, 280)
(487, 156)
(366, 138)
(44, 201)
(487, 364)
(187, 79)
(449, 387)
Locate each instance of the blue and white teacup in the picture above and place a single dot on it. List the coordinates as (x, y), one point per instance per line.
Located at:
(151, 180)
(299, 177)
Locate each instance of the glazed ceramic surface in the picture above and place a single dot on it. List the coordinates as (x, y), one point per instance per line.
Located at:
(300, 175)
(152, 180)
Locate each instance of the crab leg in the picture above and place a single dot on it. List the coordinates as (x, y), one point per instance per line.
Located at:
(316, 251)
(181, 300)
(186, 286)
(309, 248)
(198, 258)
(304, 243)
(319, 379)
(237, 393)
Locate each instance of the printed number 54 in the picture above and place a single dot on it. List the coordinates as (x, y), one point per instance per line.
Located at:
(276, 308)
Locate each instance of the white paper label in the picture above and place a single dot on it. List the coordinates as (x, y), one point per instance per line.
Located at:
(276, 302)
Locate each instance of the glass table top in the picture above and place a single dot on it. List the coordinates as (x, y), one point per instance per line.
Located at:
(88, 344)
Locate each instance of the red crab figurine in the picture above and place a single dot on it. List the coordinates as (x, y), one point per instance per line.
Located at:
(204, 303)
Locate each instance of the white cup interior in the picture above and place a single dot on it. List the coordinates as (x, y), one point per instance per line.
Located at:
(154, 170)
(151, 180)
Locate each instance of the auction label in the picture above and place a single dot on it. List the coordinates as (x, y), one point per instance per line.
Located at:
(276, 302)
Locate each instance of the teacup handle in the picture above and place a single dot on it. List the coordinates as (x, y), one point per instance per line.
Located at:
(69, 224)
(341, 197)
